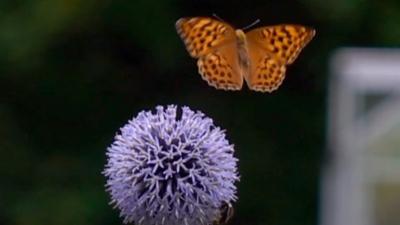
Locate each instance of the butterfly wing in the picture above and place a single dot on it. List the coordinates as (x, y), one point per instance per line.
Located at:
(266, 73)
(214, 44)
(270, 50)
(221, 68)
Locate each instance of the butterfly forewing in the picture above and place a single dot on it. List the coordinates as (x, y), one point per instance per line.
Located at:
(264, 52)
(202, 35)
(214, 44)
(270, 49)
(283, 42)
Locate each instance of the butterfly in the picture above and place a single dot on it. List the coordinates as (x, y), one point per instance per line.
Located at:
(226, 56)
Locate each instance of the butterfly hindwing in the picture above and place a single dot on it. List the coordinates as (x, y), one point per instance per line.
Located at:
(221, 68)
(214, 44)
(202, 35)
(263, 52)
(270, 49)
(266, 74)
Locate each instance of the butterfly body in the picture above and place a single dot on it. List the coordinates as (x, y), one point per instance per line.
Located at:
(243, 55)
(227, 56)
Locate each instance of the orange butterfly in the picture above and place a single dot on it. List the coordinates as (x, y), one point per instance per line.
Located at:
(226, 56)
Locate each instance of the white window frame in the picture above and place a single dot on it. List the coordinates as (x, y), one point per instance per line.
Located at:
(346, 196)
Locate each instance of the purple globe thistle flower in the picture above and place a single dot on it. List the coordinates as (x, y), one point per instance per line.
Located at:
(170, 169)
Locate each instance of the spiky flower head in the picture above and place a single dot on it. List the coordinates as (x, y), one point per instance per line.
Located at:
(171, 168)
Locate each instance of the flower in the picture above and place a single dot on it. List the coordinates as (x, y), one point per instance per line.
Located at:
(171, 168)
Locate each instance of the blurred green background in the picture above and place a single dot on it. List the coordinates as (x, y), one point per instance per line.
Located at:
(72, 72)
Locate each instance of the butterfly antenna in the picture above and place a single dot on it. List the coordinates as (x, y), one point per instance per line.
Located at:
(252, 24)
(219, 18)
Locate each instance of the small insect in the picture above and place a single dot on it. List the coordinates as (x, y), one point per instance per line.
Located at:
(226, 213)
(227, 56)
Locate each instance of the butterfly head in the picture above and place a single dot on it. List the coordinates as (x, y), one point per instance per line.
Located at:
(240, 35)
